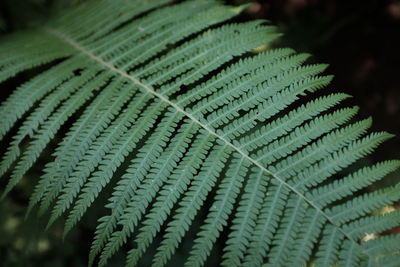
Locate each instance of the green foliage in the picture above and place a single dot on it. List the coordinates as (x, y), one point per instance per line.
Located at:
(170, 105)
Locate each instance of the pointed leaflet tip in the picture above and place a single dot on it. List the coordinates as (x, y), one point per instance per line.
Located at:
(91, 260)
(239, 9)
(51, 221)
(28, 212)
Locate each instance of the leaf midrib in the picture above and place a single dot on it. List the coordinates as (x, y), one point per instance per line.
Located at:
(150, 90)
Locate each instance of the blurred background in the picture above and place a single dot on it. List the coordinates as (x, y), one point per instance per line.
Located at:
(359, 39)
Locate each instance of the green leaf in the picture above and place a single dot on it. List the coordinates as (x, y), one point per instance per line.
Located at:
(196, 135)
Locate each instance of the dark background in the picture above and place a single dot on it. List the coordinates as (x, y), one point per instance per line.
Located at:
(359, 39)
(361, 42)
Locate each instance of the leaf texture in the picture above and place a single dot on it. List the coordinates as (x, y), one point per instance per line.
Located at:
(172, 101)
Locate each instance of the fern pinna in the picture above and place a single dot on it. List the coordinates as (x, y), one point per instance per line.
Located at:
(172, 101)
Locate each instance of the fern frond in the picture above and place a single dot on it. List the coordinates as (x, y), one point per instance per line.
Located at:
(344, 187)
(219, 212)
(92, 122)
(175, 186)
(350, 254)
(47, 131)
(246, 215)
(364, 204)
(24, 97)
(311, 227)
(329, 245)
(108, 166)
(191, 203)
(303, 135)
(360, 148)
(175, 103)
(287, 232)
(41, 114)
(91, 158)
(18, 54)
(382, 245)
(373, 224)
(136, 173)
(266, 224)
(116, 142)
(282, 126)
